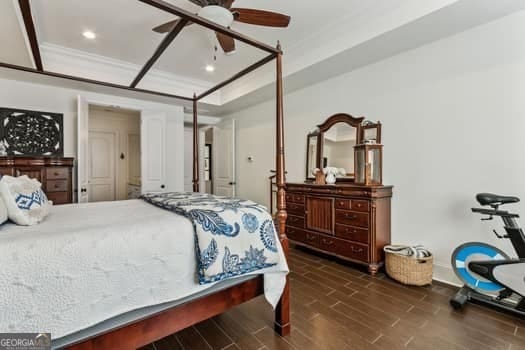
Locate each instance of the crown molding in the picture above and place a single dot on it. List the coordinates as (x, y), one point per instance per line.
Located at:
(84, 64)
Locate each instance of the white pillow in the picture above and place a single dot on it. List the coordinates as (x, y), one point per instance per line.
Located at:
(3, 211)
(26, 203)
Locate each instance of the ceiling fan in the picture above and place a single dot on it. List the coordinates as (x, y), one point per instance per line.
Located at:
(222, 12)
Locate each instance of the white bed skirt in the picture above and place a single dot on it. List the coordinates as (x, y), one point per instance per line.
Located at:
(87, 263)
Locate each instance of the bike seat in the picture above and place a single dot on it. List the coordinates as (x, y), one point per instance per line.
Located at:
(491, 199)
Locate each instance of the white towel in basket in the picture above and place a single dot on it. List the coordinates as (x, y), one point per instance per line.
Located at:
(416, 251)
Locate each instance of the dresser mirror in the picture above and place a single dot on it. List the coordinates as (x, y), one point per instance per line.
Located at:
(335, 142)
(312, 148)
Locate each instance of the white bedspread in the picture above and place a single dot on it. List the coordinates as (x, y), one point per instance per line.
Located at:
(89, 262)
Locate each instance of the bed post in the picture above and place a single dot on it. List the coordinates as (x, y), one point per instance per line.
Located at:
(282, 312)
(195, 147)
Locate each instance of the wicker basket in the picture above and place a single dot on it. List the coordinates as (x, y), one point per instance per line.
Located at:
(407, 270)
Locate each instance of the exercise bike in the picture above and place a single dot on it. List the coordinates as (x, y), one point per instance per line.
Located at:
(489, 275)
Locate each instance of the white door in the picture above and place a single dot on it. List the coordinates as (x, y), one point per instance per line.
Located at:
(188, 159)
(153, 148)
(224, 154)
(102, 164)
(82, 150)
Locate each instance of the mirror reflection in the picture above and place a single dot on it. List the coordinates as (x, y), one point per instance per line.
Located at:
(311, 155)
(338, 149)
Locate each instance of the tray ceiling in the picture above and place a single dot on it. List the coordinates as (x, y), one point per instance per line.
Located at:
(319, 31)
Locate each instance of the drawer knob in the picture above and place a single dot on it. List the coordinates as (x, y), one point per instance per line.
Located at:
(351, 217)
(357, 250)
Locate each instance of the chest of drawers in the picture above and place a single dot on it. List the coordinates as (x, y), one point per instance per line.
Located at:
(55, 174)
(349, 221)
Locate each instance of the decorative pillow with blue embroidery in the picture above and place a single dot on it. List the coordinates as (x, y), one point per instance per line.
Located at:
(26, 203)
(233, 236)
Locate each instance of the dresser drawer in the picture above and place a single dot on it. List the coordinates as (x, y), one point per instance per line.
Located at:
(312, 239)
(352, 233)
(359, 205)
(352, 204)
(296, 198)
(58, 197)
(295, 209)
(343, 204)
(57, 173)
(351, 250)
(295, 234)
(296, 221)
(328, 244)
(56, 186)
(351, 218)
(6, 171)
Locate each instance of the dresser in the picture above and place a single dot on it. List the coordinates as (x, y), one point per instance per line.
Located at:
(55, 174)
(348, 221)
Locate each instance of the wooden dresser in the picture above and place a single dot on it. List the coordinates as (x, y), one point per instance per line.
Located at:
(55, 174)
(345, 220)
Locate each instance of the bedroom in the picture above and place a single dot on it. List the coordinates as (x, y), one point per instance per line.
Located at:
(443, 77)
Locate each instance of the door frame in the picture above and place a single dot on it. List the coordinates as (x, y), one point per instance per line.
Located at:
(93, 100)
(216, 159)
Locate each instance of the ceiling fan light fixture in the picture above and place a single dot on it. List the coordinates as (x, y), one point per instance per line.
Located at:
(217, 14)
(210, 68)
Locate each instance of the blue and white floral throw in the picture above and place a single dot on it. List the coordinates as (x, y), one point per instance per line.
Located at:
(232, 236)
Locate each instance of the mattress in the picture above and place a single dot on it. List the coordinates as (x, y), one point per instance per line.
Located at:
(88, 263)
(140, 314)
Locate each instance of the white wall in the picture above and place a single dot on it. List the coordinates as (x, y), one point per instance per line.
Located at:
(453, 115)
(25, 95)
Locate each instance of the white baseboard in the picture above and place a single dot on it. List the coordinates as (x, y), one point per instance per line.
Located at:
(445, 274)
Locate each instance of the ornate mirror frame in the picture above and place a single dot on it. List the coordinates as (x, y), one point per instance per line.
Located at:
(331, 121)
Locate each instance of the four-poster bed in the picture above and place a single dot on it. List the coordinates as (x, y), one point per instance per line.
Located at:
(143, 331)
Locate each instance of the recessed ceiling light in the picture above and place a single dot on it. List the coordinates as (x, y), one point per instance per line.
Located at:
(210, 68)
(88, 34)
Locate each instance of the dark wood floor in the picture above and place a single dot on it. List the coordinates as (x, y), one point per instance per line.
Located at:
(339, 307)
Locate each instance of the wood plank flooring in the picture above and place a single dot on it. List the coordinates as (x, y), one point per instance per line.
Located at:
(337, 307)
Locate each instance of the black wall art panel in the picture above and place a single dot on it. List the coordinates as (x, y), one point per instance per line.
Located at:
(31, 133)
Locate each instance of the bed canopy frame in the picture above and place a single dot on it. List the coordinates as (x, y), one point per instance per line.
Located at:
(145, 331)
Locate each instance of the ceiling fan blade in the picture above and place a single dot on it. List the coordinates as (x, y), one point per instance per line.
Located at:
(227, 43)
(260, 17)
(168, 26)
(227, 3)
(200, 2)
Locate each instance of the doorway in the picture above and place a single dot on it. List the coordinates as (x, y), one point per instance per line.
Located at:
(114, 156)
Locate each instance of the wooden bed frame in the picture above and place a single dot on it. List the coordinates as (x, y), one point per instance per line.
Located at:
(146, 331)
